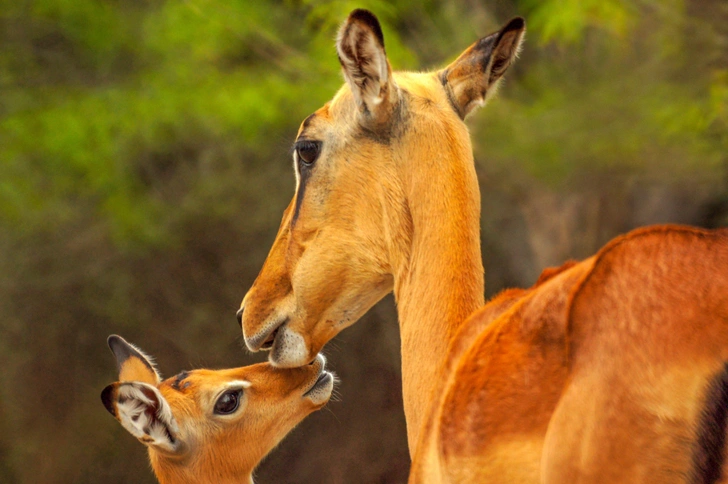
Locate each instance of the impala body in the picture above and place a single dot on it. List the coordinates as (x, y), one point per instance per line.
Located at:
(609, 370)
(211, 426)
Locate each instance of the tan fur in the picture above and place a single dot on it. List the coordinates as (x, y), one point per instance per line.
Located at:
(135, 370)
(212, 448)
(489, 422)
(548, 384)
(393, 204)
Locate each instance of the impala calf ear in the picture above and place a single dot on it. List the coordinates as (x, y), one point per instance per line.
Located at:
(360, 46)
(144, 413)
(133, 363)
(474, 76)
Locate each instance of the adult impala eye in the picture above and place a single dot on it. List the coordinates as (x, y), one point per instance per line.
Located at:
(308, 151)
(228, 402)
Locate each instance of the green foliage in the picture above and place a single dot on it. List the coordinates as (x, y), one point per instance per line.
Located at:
(566, 21)
(144, 166)
(610, 96)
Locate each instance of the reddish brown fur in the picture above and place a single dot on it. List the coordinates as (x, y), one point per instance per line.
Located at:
(493, 413)
(548, 384)
(634, 335)
(648, 330)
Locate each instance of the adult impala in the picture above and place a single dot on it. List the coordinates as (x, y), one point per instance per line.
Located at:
(387, 199)
(207, 426)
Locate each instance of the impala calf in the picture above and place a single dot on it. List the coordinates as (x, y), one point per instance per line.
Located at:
(211, 426)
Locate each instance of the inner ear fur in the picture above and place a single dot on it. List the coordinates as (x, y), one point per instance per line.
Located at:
(132, 362)
(473, 77)
(360, 46)
(142, 410)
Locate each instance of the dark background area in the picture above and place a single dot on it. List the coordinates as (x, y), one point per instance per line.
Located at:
(144, 168)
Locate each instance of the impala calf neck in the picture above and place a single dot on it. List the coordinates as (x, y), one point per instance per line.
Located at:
(211, 426)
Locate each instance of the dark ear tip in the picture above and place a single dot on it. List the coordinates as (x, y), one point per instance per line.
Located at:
(365, 16)
(118, 345)
(107, 398)
(517, 23)
(114, 340)
(369, 19)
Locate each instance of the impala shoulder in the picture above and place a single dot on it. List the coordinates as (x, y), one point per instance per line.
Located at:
(650, 250)
(481, 319)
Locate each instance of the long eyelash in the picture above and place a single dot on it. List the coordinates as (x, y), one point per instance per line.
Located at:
(303, 143)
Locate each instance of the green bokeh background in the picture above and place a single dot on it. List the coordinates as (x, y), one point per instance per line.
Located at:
(144, 167)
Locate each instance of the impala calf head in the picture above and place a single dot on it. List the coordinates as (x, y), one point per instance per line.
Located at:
(349, 232)
(206, 425)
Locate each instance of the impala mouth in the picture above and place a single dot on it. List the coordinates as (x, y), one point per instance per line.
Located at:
(320, 390)
(322, 382)
(253, 343)
(268, 343)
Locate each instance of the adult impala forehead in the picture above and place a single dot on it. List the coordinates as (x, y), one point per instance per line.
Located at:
(313, 123)
(339, 117)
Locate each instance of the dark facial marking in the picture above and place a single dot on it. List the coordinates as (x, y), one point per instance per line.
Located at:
(304, 173)
(396, 125)
(178, 379)
(307, 122)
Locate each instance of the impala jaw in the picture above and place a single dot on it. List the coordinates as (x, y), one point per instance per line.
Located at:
(321, 386)
(280, 332)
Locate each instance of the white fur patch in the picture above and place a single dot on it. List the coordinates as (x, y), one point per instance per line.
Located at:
(289, 350)
(148, 420)
(238, 384)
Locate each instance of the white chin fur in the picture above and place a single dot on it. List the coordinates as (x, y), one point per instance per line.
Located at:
(289, 350)
(322, 392)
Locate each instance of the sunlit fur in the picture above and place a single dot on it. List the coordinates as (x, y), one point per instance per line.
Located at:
(507, 367)
(188, 443)
(597, 374)
(601, 373)
(392, 203)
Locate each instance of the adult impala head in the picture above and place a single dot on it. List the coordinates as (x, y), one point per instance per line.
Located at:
(211, 426)
(350, 234)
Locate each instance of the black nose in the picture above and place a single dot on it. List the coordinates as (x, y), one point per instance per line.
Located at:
(239, 315)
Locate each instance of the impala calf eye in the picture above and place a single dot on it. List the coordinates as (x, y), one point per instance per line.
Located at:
(308, 151)
(228, 402)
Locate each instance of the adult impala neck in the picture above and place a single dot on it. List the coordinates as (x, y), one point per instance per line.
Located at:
(442, 281)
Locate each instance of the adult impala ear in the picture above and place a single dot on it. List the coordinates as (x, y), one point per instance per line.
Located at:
(133, 363)
(474, 76)
(360, 45)
(142, 410)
